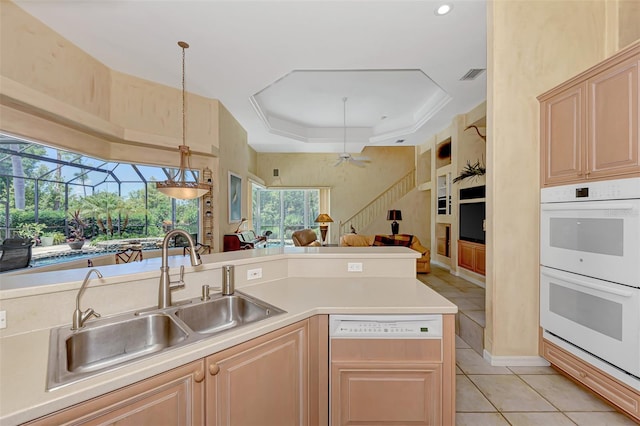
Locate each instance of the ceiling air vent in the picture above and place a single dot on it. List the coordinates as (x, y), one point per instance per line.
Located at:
(472, 74)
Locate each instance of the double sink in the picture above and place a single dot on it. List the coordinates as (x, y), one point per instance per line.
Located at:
(105, 344)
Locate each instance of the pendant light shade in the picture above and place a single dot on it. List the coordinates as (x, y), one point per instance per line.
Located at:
(177, 186)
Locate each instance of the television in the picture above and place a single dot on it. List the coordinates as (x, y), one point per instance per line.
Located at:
(472, 217)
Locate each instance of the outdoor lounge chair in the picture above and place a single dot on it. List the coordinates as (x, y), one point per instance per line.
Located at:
(16, 254)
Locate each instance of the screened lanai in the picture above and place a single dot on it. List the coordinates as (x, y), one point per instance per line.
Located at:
(44, 189)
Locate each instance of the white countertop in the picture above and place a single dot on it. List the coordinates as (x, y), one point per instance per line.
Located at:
(23, 357)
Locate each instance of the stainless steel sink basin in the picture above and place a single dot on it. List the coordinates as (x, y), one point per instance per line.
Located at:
(105, 344)
(224, 313)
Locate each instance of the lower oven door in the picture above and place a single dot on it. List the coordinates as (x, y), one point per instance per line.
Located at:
(598, 239)
(598, 316)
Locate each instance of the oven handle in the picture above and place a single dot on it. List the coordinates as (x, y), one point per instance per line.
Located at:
(579, 206)
(621, 293)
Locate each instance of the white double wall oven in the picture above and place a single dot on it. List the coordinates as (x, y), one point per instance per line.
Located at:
(590, 271)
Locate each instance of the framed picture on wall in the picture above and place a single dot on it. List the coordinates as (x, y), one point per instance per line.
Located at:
(235, 198)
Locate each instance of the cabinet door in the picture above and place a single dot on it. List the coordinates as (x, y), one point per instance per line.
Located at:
(562, 132)
(384, 394)
(613, 121)
(172, 398)
(465, 255)
(261, 382)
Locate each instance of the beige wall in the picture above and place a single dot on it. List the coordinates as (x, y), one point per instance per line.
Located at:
(52, 92)
(532, 46)
(352, 187)
(234, 157)
(49, 83)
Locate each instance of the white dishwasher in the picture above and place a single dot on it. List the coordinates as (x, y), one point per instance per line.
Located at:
(385, 369)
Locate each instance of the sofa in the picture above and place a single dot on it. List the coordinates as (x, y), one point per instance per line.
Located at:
(423, 264)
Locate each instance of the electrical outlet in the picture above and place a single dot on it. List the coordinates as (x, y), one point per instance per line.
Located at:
(354, 267)
(3, 319)
(254, 274)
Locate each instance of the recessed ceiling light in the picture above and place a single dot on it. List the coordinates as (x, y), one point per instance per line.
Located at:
(443, 9)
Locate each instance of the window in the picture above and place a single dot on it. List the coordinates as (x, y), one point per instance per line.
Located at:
(45, 185)
(283, 211)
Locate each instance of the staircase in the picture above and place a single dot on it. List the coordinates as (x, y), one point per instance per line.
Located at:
(380, 204)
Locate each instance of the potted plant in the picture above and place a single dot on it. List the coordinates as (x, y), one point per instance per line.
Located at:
(76, 231)
(31, 231)
(47, 239)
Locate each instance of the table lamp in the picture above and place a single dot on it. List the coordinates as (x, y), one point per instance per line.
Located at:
(323, 219)
(394, 215)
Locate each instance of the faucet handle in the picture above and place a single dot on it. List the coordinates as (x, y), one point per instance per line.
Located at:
(180, 283)
(90, 313)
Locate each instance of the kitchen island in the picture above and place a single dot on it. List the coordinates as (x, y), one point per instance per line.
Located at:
(305, 282)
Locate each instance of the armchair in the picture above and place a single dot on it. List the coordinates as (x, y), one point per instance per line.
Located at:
(305, 238)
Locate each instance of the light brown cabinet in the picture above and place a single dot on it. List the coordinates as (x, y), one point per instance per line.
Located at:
(589, 125)
(399, 381)
(622, 396)
(472, 256)
(262, 382)
(175, 397)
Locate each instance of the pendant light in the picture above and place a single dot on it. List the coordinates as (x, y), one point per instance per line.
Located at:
(177, 186)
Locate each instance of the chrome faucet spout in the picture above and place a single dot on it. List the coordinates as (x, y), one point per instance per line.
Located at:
(164, 292)
(79, 317)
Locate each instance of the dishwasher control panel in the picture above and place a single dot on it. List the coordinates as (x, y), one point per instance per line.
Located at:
(385, 326)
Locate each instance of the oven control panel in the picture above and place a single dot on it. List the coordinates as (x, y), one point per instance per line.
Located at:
(619, 189)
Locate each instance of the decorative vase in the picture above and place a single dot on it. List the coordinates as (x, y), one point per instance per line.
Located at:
(76, 245)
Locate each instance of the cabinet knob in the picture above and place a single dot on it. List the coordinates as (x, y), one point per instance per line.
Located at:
(214, 369)
(199, 376)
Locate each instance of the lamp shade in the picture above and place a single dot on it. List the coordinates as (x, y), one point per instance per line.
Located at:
(394, 215)
(323, 218)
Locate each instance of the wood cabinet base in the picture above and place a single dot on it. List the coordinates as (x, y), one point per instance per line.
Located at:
(617, 393)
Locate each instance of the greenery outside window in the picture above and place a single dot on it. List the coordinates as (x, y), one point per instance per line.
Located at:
(283, 211)
(45, 185)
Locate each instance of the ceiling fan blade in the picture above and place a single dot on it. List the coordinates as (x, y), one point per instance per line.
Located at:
(363, 158)
(337, 163)
(356, 162)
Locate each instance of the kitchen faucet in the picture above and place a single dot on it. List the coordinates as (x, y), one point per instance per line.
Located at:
(164, 293)
(79, 317)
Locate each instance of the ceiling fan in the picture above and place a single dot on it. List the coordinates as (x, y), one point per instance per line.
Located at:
(345, 156)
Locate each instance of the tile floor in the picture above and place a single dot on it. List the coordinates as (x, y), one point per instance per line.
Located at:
(519, 396)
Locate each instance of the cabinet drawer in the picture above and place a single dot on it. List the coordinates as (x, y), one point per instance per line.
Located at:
(406, 350)
(619, 394)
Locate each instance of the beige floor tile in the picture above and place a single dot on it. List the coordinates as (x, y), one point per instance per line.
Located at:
(469, 398)
(461, 344)
(471, 332)
(509, 393)
(477, 316)
(471, 363)
(600, 419)
(464, 304)
(538, 419)
(480, 419)
(533, 370)
(565, 394)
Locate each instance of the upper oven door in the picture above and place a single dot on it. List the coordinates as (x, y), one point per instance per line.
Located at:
(598, 239)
